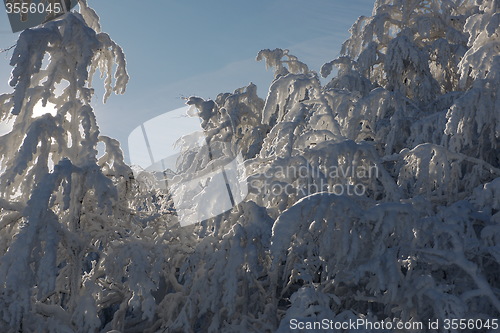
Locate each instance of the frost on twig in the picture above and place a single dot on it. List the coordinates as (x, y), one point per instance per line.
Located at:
(274, 59)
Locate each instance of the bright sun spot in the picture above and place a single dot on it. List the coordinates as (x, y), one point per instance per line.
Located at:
(40, 110)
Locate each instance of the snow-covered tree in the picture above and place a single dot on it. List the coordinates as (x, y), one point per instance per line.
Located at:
(60, 204)
(473, 124)
(374, 196)
(400, 82)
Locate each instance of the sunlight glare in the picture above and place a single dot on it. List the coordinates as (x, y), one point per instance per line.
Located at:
(40, 110)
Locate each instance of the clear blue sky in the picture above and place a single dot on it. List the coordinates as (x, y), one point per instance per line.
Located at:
(179, 48)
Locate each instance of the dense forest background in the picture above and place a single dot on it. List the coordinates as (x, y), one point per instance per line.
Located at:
(374, 196)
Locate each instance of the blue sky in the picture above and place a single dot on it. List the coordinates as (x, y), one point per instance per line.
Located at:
(180, 48)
